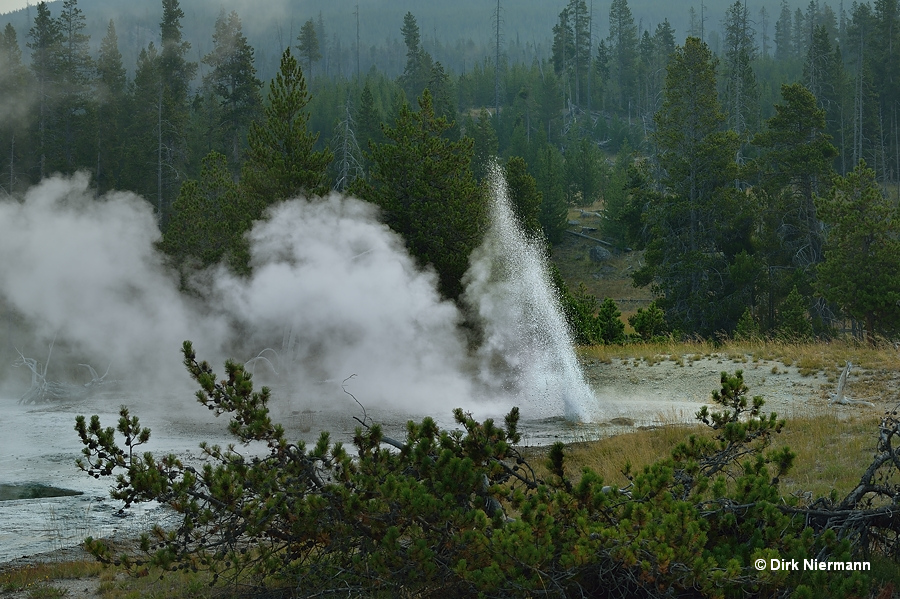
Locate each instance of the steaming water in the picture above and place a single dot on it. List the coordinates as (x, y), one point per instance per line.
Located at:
(85, 271)
(527, 349)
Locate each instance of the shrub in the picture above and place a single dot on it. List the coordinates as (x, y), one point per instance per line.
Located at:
(747, 328)
(460, 513)
(613, 329)
(649, 324)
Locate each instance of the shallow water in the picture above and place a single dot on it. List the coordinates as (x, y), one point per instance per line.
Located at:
(39, 446)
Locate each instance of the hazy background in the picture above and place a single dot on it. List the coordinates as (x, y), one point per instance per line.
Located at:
(458, 34)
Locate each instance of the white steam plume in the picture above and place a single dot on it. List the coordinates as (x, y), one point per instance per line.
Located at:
(333, 293)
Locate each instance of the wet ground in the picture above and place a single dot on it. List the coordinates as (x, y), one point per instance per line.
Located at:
(38, 444)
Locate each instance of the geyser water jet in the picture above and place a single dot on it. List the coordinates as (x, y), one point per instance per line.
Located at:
(85, 271)
(527, 350)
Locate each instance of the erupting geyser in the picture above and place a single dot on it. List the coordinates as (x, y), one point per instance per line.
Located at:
(85, 270)
(527, 349)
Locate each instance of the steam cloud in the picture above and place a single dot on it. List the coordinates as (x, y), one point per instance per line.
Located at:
(333, 294)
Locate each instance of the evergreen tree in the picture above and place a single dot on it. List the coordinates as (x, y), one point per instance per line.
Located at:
(112, 111)
(281, 161)
(418, 69)
(425, 188)
(75, 74)
(175, 74)
(368, 121)
(551, 185)
(14, 102)
(794, 168)
(143, 167)
(784, 47)
(861, 271)
(696, 227)
(485, 147)
(797, 161)
(663, 45)
(583, 176)
(308, 48)
(623, 50)
(233, 82)
(563, 44)
(45, 37)
(650, 324)
(608, 317)
(741, 99)
(524, 195)
(209, 218)
(793, 318)
(572, 48)
(443, 98)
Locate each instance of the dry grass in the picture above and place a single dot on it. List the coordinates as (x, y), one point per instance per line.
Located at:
(33, 577)
(832, 453)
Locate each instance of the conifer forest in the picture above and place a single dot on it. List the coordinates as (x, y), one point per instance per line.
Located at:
(749, 153)
(756, 159)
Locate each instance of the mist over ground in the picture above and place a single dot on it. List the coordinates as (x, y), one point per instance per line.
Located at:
(333, 294)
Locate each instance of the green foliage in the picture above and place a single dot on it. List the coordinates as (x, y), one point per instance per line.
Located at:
(608, 317)
(425, 188)
(524, 196)
(554, 211)
(209, 220)
(793, 318)
(580, 310)
(747, 328)
(650, 323)
(861, 271)
(233, 83)
(485, 143)
(281, 161)
(461, 513)
(309, 44)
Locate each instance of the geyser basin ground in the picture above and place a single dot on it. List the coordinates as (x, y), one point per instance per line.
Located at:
(38, 444)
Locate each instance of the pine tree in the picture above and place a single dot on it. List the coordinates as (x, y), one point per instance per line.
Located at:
(111, 95)
(784, 47)
(623, 49)
(797, 161)
(14, 98)
(75, 74)
(418, 69)
(741, 99)
(524, 195)
(233, 82)
(551, 180)
(175, 75)
(425, 188)
(208, 220)
(696, 226)
(368, 122)
(794, 167)
(308, 48)
(861, 271)
(485, 147)
(281, 161)
(142, 169)
(45, 38)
